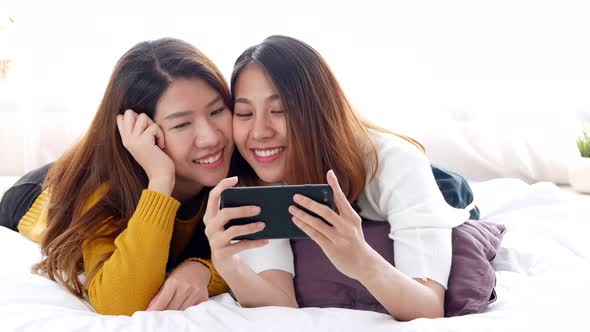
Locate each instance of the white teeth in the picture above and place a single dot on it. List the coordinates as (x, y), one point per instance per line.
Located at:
(210, 159)
(267, 153)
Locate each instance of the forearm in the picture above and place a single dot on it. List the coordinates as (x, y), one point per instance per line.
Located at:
(403, 297)
(136, 268)
(252, 290)
(127, 282)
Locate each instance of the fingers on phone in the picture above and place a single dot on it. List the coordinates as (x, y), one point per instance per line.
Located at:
(313, 234)
(342, 203)
(241, 230)
(215, 197)
(238, 247)
(221, 186)
(320, 209)
(227, 214)
(315, 223)
(217, 223)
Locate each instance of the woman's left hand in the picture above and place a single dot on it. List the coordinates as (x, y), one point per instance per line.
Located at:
(343, 242)
(185, 286)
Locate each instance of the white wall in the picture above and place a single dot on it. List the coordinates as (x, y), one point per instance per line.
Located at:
(401, 62)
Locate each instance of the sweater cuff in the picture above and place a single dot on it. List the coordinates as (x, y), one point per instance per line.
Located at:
(157, 209)
(216, 284)
(34, 222)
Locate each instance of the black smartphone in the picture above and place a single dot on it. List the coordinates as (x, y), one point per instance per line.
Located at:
(274, 202)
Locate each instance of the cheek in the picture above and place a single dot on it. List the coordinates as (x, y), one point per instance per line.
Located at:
(176, 148)
(227, 130)
(240, 133)
(281, 129)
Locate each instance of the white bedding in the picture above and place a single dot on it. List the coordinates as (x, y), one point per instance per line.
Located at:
(543, 276)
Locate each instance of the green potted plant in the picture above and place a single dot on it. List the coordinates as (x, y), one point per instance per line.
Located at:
(579, 172)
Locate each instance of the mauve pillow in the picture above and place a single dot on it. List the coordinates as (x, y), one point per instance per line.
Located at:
(471, 282)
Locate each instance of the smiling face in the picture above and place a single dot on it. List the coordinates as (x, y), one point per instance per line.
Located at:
(197, 128)
(260, 124)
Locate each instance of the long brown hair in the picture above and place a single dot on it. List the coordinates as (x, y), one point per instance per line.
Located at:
(323, 130)
(100, 162)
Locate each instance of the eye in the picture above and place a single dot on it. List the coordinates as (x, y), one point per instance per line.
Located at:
(277, 112)
(217, 111)
(182, 125)
(242, 115)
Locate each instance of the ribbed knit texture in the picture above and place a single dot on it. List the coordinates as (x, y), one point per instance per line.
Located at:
(34, 222)
(403, 193)
(136, 265)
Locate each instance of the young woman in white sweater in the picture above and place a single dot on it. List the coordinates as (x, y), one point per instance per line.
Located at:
(293, 125)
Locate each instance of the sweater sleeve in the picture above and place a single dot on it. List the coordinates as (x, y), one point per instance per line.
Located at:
(136, 265)
(404, 192)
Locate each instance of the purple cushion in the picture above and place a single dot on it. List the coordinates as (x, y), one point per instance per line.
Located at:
(471, 282)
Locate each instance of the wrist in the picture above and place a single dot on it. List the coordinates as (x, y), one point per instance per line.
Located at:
(227, 268)
(164, 185)
(370, 267)
(203, 269)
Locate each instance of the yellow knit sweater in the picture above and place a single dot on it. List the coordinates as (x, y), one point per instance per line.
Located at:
(136, 269)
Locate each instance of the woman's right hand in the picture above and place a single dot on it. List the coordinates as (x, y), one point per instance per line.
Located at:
(144, 139)
(224, 253)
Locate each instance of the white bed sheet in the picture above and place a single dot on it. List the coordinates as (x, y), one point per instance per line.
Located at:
(543, 275)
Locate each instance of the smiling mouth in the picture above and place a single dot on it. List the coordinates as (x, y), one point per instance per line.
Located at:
(267, 155)
(210, 159)
(268, 152)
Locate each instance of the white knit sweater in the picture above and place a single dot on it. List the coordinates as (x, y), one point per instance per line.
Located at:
(403, 193)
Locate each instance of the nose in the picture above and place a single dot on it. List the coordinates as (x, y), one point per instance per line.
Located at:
(207, 135)
(262, 128)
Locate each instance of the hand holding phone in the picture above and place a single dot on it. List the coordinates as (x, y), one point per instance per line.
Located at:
(223, 249)
(274, 202)
(343, 243)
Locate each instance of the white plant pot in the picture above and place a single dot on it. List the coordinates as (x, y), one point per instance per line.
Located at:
(579, 175)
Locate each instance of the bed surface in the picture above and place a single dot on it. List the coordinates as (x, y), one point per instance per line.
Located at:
(543, 268)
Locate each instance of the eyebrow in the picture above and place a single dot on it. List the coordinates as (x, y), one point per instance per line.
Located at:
(213, 102)
(247, 101)
(185, 113)
(177, 115)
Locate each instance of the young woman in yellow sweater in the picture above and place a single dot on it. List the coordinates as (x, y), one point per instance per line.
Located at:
(124, 202)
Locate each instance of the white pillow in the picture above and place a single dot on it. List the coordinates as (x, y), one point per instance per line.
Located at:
(482, 150)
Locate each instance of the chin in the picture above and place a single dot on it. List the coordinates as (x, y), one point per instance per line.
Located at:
(212, 183)
(269, 177)
(213, 180)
